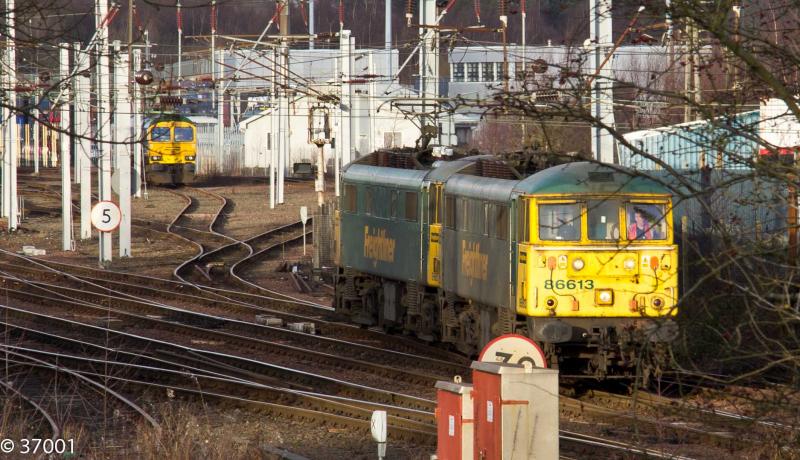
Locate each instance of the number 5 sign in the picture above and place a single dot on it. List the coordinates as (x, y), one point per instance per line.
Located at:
(106, 216)
(514, 349)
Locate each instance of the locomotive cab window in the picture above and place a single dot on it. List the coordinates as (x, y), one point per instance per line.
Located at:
(603, 220)
(646, 221)
(560, 222)
(184, 134)
(160, 134)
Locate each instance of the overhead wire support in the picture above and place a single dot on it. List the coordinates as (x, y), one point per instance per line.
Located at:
(278, 8)
(422, 40)
(84, 56)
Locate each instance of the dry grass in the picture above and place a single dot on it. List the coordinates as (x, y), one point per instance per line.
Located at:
(184, 435)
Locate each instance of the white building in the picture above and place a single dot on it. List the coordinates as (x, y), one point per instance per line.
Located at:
(383, 113)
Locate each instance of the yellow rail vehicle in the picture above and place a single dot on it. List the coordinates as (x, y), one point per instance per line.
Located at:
(579, 257)
(171, 153)
(598, 256)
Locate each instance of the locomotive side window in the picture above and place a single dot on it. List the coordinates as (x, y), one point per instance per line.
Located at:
(462, 220)
(184, 134)
(450, 212)
(160, 134)
(603, 217)
(349, 198)
(368, 197)
(561, 222)
(393, 204)
(646, 221)
(497, 218)
(411, 206)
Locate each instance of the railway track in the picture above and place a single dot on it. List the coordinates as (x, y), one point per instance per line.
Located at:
(211, 315)
(198, 372)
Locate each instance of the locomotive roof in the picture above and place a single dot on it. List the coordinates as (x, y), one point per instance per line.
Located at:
(380, 175)
(483, 188)
(444, 169)
(589, 178)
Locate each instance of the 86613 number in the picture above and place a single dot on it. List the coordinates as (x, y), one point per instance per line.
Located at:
(569, 284)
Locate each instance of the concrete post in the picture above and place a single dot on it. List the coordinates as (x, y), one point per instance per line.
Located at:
(11, 153)
(311, 23)
(429, 61)
(66, 180)
(387, 40)
(273, 133)
(285, 151)
(138, 146)
(602, 103)
(104, 124)
(220, 111)
(345, 107)
(122, 133)
(180, 47)
(83, 161)
(78, 157)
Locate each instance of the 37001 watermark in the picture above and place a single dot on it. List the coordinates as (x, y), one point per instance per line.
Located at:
(37, 446)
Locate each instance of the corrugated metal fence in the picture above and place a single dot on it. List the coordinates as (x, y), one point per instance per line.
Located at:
(739, 203)
(724, 142)
(214, 159)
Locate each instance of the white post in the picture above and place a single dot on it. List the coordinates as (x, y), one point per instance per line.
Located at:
(429, 59)
(371, 104)
(137, 145)
(273, 131)
(387, 38)
(602, 103)
(311, 28)
(336, 119)
(180, 47)
(7, 114)
(65, 144)
(76, 173)
(122, 130)
(283, 120)
(11, 153)
(104, 124)
(345, 139)
(220, 112)
(37, 148)
(83, 161)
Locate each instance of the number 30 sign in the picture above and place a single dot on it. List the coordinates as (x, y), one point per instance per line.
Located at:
(514, 349)
(106, 216)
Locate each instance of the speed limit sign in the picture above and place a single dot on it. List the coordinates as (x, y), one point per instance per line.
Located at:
(513, 349)
(106, 216)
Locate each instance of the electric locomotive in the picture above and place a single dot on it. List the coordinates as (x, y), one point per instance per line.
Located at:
(171, 150)
(580, 257)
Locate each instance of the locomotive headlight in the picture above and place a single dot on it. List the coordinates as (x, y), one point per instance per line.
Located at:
(578, 264)
(155, 157)
(658, 303)
(189, 157)
(629, 264)
(604, 297)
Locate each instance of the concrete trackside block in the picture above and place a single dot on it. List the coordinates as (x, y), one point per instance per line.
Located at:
(306, 327)
(268, 320)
